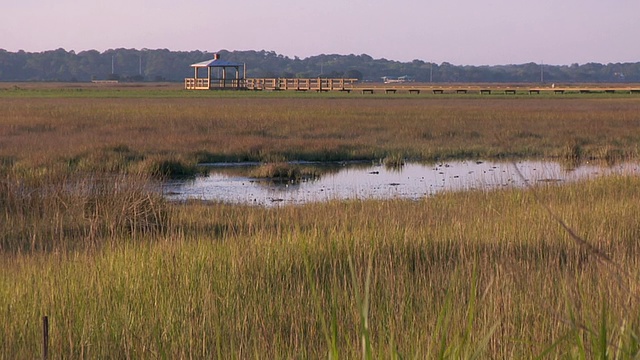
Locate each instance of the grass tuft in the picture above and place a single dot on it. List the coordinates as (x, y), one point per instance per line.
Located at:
(282, 172)
(171, 168)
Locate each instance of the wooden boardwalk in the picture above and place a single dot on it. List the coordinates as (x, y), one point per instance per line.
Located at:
(496, 89)
(272, 84)
(296, 84)
(349, 85)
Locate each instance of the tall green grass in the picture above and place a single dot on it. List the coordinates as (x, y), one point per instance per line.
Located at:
(459, 275)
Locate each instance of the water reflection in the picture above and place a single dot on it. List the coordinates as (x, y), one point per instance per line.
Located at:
(230, 182)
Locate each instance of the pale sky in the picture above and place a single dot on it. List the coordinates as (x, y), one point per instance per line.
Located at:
(462, 32)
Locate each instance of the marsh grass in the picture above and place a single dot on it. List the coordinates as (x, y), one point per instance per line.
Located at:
(190, 129)
(86, 240)
(459, 275)
(283, 172)
(394, 161)
(59, 211)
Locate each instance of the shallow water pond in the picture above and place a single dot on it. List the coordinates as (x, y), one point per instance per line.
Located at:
(231, 183)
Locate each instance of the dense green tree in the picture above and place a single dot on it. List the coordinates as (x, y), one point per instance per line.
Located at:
(162, 64)
(353, 74)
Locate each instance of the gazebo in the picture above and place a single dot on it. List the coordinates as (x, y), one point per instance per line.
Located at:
(217, 75)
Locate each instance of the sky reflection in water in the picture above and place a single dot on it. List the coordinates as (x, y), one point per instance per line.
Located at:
(231, 184)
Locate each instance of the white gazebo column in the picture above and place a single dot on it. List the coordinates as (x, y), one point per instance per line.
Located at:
(195, 78)
(224, 77)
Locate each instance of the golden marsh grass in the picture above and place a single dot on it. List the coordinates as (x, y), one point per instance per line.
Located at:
(121, 272)
(85, 131)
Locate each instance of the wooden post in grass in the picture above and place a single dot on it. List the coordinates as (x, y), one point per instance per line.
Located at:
(45, 337)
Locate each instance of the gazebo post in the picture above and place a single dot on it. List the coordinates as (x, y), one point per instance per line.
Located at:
(224, 77)
(195, 78)
(237, 77)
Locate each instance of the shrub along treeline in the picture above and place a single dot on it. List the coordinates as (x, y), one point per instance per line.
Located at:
(165, 65)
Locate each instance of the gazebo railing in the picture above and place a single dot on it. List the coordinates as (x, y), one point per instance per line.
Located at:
(196, 84)
(205, 84)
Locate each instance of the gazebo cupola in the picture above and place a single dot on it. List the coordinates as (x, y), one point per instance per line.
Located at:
(217, 77)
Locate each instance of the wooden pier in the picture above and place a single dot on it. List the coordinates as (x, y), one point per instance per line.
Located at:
(314, 84)
(227, 75)
(349, 85)
(272, 84)
(496, 89)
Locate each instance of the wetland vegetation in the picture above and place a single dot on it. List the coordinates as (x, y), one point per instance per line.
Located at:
(86, 239)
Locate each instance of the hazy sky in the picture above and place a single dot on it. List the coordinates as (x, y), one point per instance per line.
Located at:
(462, 32)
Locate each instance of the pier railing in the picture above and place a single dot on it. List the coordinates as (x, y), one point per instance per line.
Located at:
(314, 84)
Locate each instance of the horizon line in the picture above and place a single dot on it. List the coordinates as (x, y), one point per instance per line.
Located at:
(293, 57)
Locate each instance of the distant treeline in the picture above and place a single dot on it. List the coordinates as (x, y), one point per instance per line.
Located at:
(165, 65)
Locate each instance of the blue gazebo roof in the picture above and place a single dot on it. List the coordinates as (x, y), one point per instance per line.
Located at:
(216, 63)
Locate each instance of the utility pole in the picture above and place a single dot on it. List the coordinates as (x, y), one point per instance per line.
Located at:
(431, 73)
(542, 72)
